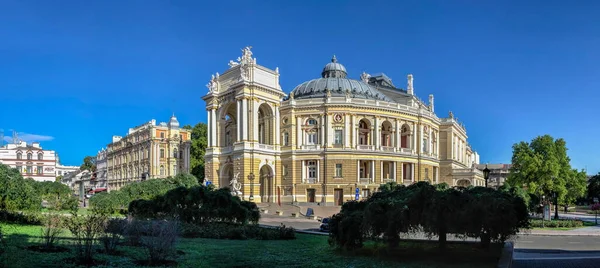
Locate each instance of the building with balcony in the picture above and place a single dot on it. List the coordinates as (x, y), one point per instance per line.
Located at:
(329, 138)
(30, 159)
(498, 173)
(148, 151)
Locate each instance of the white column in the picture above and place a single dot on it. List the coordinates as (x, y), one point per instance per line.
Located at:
(395, 171)
(330, 131)
(414, 134)
(303, 171)
(239, 126)
(420, 139)
(412, 172)
(373, 170)
(357, 171)
(354, 130)
(255, 120)
(437, 144)
(277, 126)
(209, 127)
(398, 142)
(245, 119)
(430, 141)
(298, 132)
(322, 130)
(381, 170)
(377, 134)
(318, 171)
(347, 131)
(214, 126)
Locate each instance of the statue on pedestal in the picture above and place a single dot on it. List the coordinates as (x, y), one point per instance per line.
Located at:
(235, 185)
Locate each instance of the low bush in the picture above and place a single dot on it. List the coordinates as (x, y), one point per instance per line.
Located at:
(113, 231)
(53, 227)
(537, 223)
(236, 231)
(86, 231)
(133, 231)
(27, 218)
(160, 240)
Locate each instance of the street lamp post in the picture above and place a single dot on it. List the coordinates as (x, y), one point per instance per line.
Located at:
(251, 179)
(543, 210)
(486, 175)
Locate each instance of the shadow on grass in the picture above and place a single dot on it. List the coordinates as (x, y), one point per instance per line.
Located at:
(456, 252)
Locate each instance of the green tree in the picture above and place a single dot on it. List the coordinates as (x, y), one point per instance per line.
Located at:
(542, 167)
(576, 188)
(89, 163)
(593, 189)
(17, 193)
(198, 149)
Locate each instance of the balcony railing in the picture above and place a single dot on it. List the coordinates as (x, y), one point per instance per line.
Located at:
(311, 147)
(227, 149)
(266, 147)
(365, 147)
(364, 180)
(406, 150)
(310, 180)
(388, 148)
(388, 180)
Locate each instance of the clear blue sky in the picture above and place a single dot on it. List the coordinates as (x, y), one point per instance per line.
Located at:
(77, 72)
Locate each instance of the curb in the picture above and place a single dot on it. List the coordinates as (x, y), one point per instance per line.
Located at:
(506, 257)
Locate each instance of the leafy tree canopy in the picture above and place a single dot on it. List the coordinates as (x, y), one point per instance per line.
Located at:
(89, 163)
(593, 189)
(543, 168)
(197, 150)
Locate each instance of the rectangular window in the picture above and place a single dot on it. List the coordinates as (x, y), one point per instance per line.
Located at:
(40, 169)
(424, 145)
(162, 153)
(426, 173)
(29, 169)
(162, 135)
(285, 171)
(20, 169)
(312, 169)
(286, 139)
(312, 138)
(366, 193)
(338, 170)
(338, 137)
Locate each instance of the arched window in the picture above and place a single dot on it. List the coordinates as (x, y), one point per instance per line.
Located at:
(364, 131)
(29, 156)
(40, 156)
(311, 122)
(19, 155)
(162, 170)
(312, 134)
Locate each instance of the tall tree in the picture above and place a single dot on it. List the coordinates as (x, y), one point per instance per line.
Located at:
(593, 189)
(89, 163)
(576, 188)
(543, 168)
(198, 149)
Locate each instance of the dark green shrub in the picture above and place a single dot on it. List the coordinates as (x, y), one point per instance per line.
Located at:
(27, 218)
(537, 223)
(52, 229)
(113, 231)
(160, 240)
(236, 231)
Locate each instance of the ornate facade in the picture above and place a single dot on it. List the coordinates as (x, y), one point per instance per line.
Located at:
(30, 159)
(332, 139)
(148, 151)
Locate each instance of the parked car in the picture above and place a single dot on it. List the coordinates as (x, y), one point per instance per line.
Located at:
(324, 225)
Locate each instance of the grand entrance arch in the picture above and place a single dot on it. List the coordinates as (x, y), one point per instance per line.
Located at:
(226, 175)
(463, 183)
(266, 184)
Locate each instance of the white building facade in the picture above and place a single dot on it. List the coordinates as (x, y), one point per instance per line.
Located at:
(30, 159)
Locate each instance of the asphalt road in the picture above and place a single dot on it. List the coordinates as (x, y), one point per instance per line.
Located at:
(557, 251)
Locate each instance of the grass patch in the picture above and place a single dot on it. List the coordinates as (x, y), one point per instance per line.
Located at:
(304, 251)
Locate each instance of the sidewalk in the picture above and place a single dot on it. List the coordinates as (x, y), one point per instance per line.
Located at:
(584, 231)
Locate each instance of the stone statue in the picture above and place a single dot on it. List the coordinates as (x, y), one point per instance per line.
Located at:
(235, 185)
(328, 93)
(409, 84)
(212, 84)
(276, 70)
(233, 64)
(347, 93)
(291, 95)
(450, 114)
(365, 77)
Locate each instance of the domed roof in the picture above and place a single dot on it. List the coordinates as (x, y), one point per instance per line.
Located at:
(333, 79)
(173, 123)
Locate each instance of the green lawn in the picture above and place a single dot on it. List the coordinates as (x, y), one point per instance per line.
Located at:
(305, 251)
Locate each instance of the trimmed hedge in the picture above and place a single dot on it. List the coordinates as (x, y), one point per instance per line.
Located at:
(237, 231)
(557, 223)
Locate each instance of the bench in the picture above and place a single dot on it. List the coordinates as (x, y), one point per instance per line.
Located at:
(279, 212)
(294, 214)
